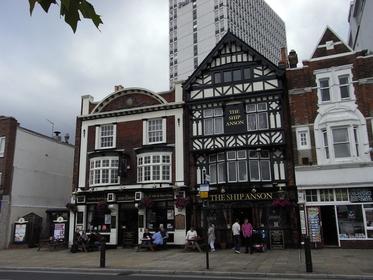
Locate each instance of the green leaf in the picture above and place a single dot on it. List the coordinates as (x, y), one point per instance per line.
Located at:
(88, 11)
(45, 4)
(72, 15)
(65, 4)
(32, 5)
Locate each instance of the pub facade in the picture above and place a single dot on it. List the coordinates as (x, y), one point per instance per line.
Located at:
(237, 119)
(129, 166)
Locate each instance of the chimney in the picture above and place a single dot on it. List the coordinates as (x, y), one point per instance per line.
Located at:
(293, 59)
(283, 58)
(57, 136)
(67, 137)
(118, 88)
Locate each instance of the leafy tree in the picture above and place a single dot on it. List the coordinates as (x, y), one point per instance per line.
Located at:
(71, 10)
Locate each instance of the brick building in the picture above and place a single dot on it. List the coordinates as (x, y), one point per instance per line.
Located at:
(331, 104)
(129, 166)
(238, 122)
(35, 175)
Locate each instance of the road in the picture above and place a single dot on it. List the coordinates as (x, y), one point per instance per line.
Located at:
(62, 275)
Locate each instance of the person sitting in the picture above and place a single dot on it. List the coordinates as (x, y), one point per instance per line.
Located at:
(191, 239)
(157, 239)
(146, 241)
(164, 234)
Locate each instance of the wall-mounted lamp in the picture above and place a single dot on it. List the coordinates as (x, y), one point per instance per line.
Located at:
(178, 121)
(222, 190)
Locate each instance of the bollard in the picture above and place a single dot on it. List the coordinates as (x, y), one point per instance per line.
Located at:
(307, 252)
(102, 254)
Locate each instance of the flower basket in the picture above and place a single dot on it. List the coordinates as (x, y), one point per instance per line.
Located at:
(281, 202)
(182, 202)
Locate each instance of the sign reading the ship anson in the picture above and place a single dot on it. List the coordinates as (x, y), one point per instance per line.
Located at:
(235, 119)
(241, 196)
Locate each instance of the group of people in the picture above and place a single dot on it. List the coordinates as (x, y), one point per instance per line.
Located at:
(84, 242)
(247, 232)
(157, 240)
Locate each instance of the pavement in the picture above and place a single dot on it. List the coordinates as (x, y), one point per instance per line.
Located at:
(327, 263)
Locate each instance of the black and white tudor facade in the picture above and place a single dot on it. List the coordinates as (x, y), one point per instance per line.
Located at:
(237, 120)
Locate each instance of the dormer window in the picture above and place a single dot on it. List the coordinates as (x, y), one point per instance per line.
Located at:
(106, 136)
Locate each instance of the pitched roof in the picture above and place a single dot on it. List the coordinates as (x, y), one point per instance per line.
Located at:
(330, 44)
(228, 38)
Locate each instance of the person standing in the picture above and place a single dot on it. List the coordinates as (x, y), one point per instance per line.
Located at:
(211, 237)
(247, 233)
(236, 236)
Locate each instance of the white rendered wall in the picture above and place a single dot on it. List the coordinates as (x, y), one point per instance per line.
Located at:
(42, 175)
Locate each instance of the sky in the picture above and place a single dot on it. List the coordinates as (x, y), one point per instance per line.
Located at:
(45, 68)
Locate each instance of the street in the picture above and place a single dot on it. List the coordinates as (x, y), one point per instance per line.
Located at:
(62, 275)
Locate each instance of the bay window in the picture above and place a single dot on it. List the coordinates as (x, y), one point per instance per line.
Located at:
(103, 171)
(154, 167)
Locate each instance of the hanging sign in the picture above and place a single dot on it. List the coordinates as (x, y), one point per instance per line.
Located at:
(235, 119)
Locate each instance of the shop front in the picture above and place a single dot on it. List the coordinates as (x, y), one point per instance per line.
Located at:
(275, 217)
(121, 217)
(340, 217)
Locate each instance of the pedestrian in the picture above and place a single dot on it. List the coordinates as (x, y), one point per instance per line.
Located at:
(247, 233)
(236, 228)
(211, 237)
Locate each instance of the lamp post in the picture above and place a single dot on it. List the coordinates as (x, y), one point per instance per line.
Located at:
(204, 195)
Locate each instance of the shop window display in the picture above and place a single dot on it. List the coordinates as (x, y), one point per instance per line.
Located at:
(350, 221)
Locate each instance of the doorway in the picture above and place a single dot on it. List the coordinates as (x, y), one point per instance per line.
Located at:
(128, 226)
(329, 227)
(242, 214)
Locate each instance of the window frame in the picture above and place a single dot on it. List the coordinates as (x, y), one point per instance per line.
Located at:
(306, 131)
(324, 88)
(147, 131)
(256, 114)
(142, 166)
(100, 168)
(214, 118)
(2, 146)
(99, 137)
(346, 85)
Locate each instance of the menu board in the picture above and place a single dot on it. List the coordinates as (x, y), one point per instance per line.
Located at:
(314, 224)
(59, 232)
(20, 233)
(277, 239)
(361, 195)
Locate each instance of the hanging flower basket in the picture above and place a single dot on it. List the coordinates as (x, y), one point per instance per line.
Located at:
(282, 202)
(182, 202)
(146, 202)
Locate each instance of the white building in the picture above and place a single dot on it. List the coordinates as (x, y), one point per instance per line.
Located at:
(196, 26)
(35, 175)
(361, 22)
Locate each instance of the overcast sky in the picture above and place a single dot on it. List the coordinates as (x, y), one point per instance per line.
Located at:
(45, 68)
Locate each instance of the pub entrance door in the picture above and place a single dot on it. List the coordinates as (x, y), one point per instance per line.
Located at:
(329, 226)
(242, 214)
(128, 226)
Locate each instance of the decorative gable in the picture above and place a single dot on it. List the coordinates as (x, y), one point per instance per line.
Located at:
(232, 68)
(330, 44)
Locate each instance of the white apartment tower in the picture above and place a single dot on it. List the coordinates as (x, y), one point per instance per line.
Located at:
(361, 22)
(197, 25)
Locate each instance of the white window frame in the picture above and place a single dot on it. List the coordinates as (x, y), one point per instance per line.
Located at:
(333, 74)
(98, 170)
(98, 142)
(300, 145)
(348, 85)
(257, 112)
(2, 146)
(146, 131)
(215, 116)
(142, 166)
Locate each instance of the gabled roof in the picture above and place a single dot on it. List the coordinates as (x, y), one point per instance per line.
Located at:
(229, 38)
(330, 44)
